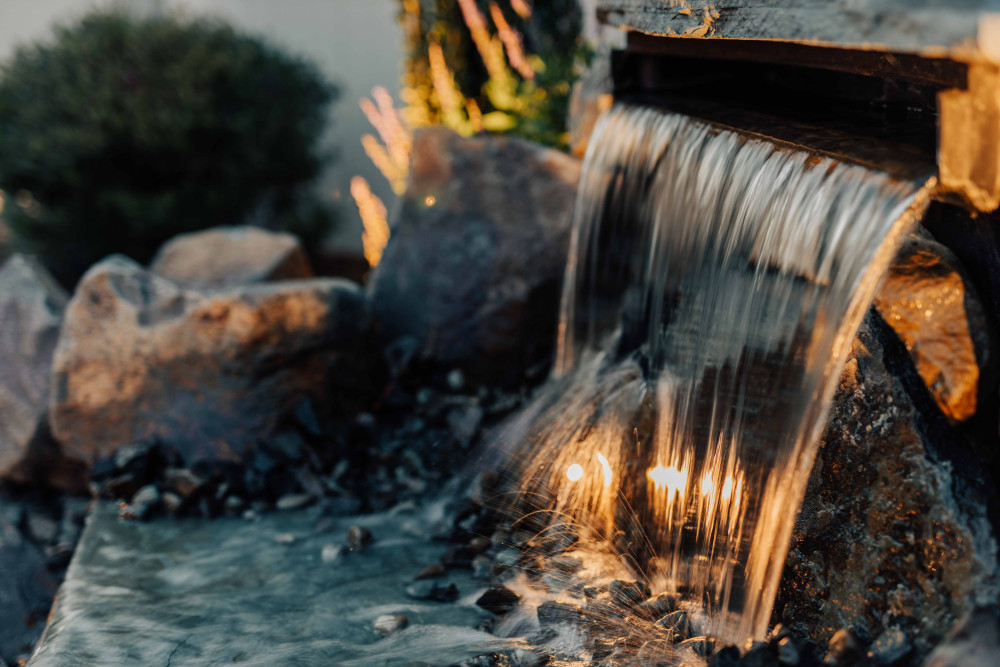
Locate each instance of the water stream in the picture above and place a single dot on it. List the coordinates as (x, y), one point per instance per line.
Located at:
(713, 288)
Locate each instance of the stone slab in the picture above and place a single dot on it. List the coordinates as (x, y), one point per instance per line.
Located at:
(231, 591)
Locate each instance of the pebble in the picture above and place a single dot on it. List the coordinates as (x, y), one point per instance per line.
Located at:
(432, 590)
(678, 623)
(386, 624)
(284, 538)
(479, 544)
(481, 565)
(628, 593)
(359, 537)
(332, 553)
(498, 600)
(891, 647)
(431, 571)
(294, 501)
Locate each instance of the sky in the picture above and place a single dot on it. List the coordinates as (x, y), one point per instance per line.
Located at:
(356, 43)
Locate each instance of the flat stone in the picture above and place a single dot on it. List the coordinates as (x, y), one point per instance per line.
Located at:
(199, 591)
(230, 256)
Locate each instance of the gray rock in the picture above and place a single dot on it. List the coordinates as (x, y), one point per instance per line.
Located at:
(212, 376)
(31, 308)
(331, 553)
(894, 521)
(678, 622)
(973, 642)
(386, 624)
(432, 590)
(472, 272)
(891, 647)
(230, 256)
(294, 501)
(628, 593)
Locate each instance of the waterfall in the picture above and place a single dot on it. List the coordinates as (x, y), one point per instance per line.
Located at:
(713, 288)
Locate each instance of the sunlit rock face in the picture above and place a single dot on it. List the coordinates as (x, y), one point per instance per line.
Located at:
(893, 532)
(31, 309)
(473, 269)
(229, 256)
(209, 375)
(935, 311)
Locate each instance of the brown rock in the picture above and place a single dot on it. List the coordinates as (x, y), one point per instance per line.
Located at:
(230, 256)
(932, 307)
(212, 376)
(472, 272)
(31, 308)
(894, 520)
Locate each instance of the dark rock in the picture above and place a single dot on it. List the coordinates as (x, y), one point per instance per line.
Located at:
(182, 481)
(386, 624)
(678, 623)
(728, 656)
(433, 590)
(933, 307)
(894, 521)
(498, 600)
(777, 633)
(702, 646)
(231, 256)
(845, 648)
(891, 647)
(479, 544)
(474, 277)
(31, 308)
(552, 612)
(973, 642)
(359, 537)
(761, 655)
(431, 571)
(143, 503)
(628, 593)
(209, 376)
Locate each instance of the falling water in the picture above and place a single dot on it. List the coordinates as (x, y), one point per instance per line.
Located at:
(713, 288)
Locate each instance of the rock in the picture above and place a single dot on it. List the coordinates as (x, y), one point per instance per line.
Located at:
(657, 607)
(553, 612)
(845, 648)
(893, 524)
(473, 269)
(464, 421)
(331, 553)
(678, 623)
(728, 656)
(628, 593)
(209, 376)
(359, 537)
(294, 501)
(26, 592)
(973, 642)
(182, 481)
(701, 646)
(932, 306)
(432, 590)
(892, 647)
(431, 571)
(498, 600)
(31, 307)
(41, 527)
(230, 256)
(143, 503)
(386, 624)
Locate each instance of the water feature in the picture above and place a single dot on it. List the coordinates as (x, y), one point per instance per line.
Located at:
(713, 288)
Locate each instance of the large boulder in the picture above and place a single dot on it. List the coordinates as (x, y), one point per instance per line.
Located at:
(31, 309)
(228, 256)
(934, 309)
(473, 269)
(893, 535)
(209, 375)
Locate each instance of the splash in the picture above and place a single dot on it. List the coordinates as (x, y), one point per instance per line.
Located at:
(713, 287)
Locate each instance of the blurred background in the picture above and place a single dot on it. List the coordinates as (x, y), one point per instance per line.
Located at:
(126, 122)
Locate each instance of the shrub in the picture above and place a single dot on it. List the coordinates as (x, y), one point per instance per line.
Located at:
(125, 131)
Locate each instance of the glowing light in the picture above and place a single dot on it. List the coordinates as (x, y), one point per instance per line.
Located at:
(429, 201)
(727, 488)
(707, 485)
(606, 467)
(674, 480)
(574, 472)
(373, 217)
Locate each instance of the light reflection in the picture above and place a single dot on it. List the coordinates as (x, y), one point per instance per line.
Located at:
(606, 469)
(574, 472)
(672, 478)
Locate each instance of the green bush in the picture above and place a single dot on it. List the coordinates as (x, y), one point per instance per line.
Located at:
(125, 131)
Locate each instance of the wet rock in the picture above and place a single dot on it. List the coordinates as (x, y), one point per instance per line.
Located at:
(294, 501)
(145, 501)
(431, 571)
(182, 481)
(657, 607)
(498, 600)
(173, 503)
(386, 624)
(973, 642)
(892, 647)
(701, 646)
(359, 537)
(208, 376)
(41, 527)
(553, 612)
(331, 553)
(894, 523)
(26, 592)
(230, 256)
(31, 307)
(433, 590)
(628, 593)
(464, 422)
(481, 565)
(478, 250)
(678, 623)
(761, 655)
(933, 307)
(728, 656)
(796, 652)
